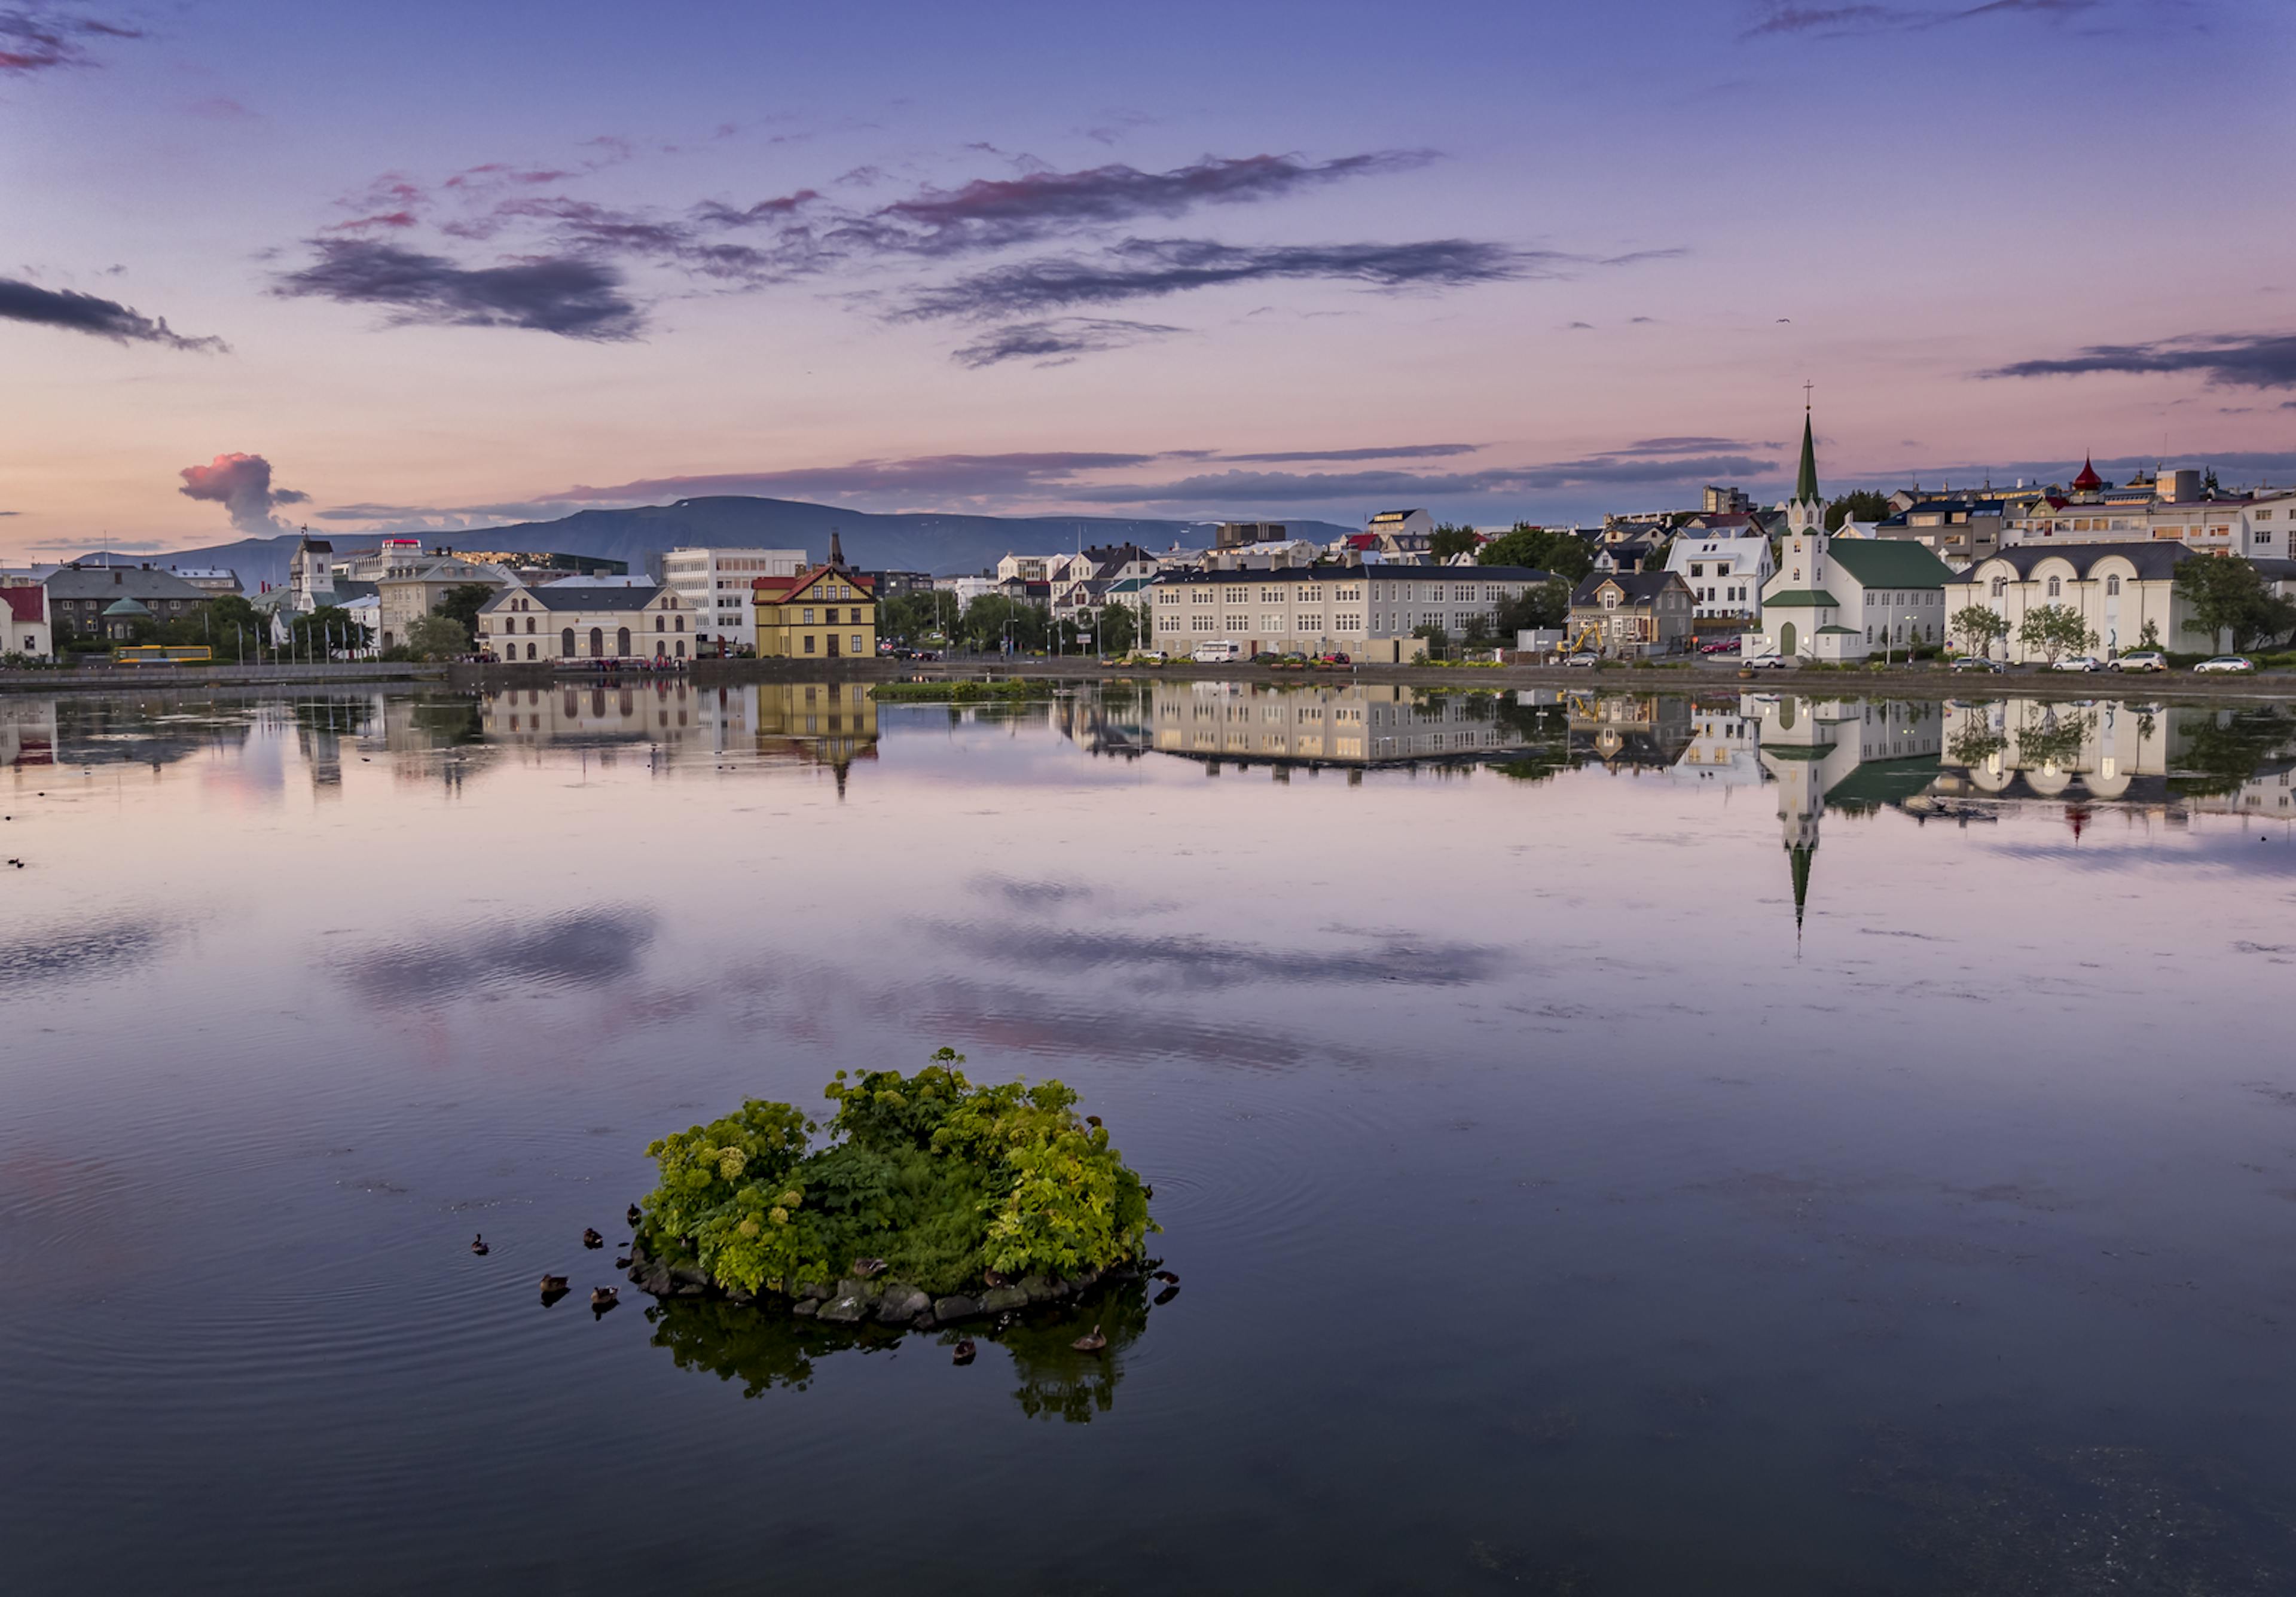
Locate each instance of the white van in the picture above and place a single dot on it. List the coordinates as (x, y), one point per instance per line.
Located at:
(1216, 654)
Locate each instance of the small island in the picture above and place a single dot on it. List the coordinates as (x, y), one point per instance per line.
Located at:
(933, 1201)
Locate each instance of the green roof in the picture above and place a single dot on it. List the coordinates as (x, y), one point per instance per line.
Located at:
(1806, 483)
(1890, 564)
(1879, 782)
(1800, 858)
(127, 606)
(1802, 598)
(1850, 632)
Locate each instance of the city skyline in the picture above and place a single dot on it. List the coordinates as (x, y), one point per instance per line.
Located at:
(1499, 261)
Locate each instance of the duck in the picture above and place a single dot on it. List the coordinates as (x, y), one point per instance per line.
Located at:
(591, 1239)
(553, 1283)
(995, 1278)
(962, 1354)
(1091, 1120)
(621, 1264)
(1167, 1277)
(636, 1216)
(864, 1268)
(478, 1245)
(603, 1297)
(1092, 1341)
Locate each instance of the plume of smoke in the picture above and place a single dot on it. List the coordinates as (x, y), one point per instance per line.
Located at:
(242, 485)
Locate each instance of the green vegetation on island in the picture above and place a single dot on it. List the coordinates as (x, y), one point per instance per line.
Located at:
(959, 692)
(941, 1180)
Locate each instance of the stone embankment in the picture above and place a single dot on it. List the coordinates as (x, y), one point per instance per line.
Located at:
(853, 1301)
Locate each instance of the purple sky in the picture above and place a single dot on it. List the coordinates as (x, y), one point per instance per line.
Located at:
(434, 264)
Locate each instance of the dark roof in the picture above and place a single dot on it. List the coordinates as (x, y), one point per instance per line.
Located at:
(108, 583)
(1638, 586)
(2272, 570)
(552, 596)
(1381, 573)
(2153, 558)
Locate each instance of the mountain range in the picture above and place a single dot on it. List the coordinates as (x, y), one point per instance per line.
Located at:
(916, 541)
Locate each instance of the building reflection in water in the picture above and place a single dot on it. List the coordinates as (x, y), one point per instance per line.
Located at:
(1854, 755)
(1353, 726)
(826, 724)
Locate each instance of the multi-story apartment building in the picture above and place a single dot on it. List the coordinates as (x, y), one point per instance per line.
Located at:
(714, 585)
(2170, 505)
(1366, 611)
(413, 588)
(80, 595)
(1725, 568)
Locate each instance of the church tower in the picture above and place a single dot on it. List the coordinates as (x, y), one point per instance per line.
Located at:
(1802, 558)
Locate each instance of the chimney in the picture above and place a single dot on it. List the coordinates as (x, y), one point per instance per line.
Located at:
(836, 551)
(116, 578)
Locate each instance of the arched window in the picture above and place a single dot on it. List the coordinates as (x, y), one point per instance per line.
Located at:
(2055, 588)
(597, 642)
(681, 623)
(623, 641)
(681, 654)
(2000, 586)
(2112, 588)
(529, 623)
(566, 643)
(529, 651)
(661, 624)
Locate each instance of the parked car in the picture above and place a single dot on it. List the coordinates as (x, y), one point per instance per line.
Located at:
(2080, 662)
(1334, 658)
(1218, 653)
(2142, 660)
(1768, 662)
(1976, 662)
(1151, 657)
(2226, 662)
(1727, 646)
(1583, 658)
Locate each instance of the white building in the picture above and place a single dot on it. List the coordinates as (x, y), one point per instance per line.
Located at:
(567, 621)
(1725, 570)
(965, 588)
(1843, 601)
(714, 585)
(2119, 589)
(1368, 612)
(24, 610)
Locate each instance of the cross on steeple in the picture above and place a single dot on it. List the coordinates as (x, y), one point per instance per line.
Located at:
(1806, 387)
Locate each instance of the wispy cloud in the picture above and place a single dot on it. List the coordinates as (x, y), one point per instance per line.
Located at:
(1776, 19)
(242, 485)
(2233, 360)
(1374, 451)
(573, 296)
(1055, 342)
(1152, 268)
(21, 301)
(38, 38)
(918, 476)
(1338, 488)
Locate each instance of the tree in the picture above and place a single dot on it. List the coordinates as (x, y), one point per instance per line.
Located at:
(1119, 628)
(2053, 631)
(1977, 628)
(462, 603)
(1547, 605)
(993, 618)
(1448, 540)
(1864, 504)
(1439, 641)
(1559, 550)
(330, 626)
(437, 637)
(2229, 595)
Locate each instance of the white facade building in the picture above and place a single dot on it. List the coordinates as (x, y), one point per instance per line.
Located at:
(715, 583)
(1725, 571)
(1369, 612)
(564, 621)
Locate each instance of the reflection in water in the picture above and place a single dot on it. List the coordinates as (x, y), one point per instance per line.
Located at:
(763, 1350)
(586, 949)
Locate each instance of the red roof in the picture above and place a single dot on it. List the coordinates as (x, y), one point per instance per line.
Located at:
(1363, 540)
(2088, 480)
(28, 604)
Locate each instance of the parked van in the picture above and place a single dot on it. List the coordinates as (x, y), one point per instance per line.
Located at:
(1216, 654)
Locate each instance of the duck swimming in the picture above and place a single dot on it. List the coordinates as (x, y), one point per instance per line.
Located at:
(636, 1216)
(479, 1246)
(1167, 1277)
(1092, 1341)
(554, 1283)
(604, 1297)
(591, 1239)
(963, 1353)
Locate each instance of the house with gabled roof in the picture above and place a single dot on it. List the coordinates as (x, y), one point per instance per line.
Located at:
(827, 611)
(24, 610)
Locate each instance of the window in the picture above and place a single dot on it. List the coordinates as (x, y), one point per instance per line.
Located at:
(623, 641)
(807, 618)
(2056, 586)
(529, 623)
(681, 625)
(857, 645)
(661, 623)
(565, 643)
(2112, 588)
(808, 642)
(529, 650)
(2000, 586)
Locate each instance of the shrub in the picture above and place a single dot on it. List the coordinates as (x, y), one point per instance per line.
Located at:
(939, 1177)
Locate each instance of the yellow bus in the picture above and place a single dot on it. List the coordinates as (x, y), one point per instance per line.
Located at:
(162, 654)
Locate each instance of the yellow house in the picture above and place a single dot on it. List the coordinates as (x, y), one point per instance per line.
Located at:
(825, 612)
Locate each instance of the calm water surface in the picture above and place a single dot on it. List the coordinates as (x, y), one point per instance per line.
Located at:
(1559, 1206)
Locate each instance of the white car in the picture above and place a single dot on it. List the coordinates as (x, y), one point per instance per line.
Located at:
(2080, 662)
(2143, 660)
(2226, 662)
(1583, 658)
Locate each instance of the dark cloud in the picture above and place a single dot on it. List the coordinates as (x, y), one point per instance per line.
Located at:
(37, 37)
(242, 485)
(1149, 268)
(578, 950)
(1055, 342)
(2233, 360)
(1267, 488)
(80, 951)
(573, 297)
(1684, 446)
(1837, 21)
(21, 301)
(1395, 452)
(1000, 213)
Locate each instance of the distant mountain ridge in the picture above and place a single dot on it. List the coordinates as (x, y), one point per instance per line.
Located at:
(912, 540)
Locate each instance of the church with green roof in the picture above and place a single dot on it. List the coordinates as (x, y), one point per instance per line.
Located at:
(1844, 599)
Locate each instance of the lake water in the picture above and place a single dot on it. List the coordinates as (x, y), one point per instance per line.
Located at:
(1759, 1145)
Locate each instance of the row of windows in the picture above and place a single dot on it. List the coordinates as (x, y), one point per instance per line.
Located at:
(1352, 593)
(1917, 597)
(859, 648)
(2056, 586)
(509, 625)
